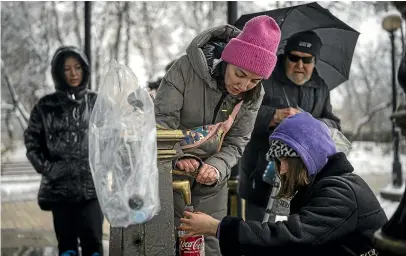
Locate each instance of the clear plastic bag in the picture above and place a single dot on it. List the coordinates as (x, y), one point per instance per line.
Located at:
(123, 149)
(342, 143)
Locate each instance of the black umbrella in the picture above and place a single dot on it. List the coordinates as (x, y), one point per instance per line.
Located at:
(338, 38)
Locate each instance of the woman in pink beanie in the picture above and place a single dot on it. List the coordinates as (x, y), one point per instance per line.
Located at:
(218, 77)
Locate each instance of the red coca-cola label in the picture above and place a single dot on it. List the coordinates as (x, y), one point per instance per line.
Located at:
(193, 246)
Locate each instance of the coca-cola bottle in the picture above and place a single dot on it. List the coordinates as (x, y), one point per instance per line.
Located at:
(192, 246)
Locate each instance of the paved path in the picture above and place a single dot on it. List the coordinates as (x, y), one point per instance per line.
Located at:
(25, 225)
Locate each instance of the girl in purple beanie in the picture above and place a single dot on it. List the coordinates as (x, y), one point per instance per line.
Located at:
(218, 80)
(332, 212)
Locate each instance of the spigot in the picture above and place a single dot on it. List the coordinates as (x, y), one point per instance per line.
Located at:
(183, 186)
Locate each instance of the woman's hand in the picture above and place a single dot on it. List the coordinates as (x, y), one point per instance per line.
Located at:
(187, 164)
(198, 223)
(207, 175)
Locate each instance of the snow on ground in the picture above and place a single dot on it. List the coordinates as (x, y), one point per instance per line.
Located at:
(15, 188)
(372, 157)
(17, 155)
(19, 191)
(388, 206)
(372, 161)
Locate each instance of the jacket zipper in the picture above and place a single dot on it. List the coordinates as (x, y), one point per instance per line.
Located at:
(216, 110)
(69, 193)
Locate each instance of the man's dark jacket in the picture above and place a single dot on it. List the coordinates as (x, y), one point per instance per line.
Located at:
(280, 92)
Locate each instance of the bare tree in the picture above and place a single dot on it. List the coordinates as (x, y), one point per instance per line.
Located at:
(128, 33)
(7, 112)
(78, 32)
(368, 117)
(201, 15)
(58, 34)
(120, 24)
(100, 36)
(151, 33)
(367, 93)
(25, 49)
(18, 108)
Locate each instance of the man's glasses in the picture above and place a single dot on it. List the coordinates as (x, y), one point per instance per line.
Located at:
(295, 58)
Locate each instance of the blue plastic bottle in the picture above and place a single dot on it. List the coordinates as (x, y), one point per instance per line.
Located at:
(269, 173)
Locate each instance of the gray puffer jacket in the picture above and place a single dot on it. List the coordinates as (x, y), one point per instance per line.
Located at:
(189, 94)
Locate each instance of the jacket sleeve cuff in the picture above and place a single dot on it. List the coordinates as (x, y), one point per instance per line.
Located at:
(228, 238)
(215, 183)
(217, 172)
(220, 166)
(176, 159)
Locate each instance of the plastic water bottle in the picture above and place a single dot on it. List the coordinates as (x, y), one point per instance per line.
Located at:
(269, 173)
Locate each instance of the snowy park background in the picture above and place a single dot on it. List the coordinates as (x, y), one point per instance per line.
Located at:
(147, 36)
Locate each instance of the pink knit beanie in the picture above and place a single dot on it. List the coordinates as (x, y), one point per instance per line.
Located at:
(254, 49)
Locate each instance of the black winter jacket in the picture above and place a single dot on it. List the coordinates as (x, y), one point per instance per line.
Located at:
(336, 214)
(56, 137)
(313, 97)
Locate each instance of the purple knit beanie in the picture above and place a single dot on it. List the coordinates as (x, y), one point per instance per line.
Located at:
(254, 49)
(307, 136)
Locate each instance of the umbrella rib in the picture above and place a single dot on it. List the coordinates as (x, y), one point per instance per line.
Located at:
(329, 27)
(328, 13)
(284, 17)
(338, 71)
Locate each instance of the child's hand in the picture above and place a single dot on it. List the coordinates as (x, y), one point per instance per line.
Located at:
(198, 223)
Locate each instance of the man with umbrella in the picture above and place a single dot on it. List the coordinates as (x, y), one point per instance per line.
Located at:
(295, 86)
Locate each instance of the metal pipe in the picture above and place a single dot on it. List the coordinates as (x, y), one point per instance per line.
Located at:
(397, 179)
(233, 199)
(402, 37)
(88, 35)
(232, 12)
